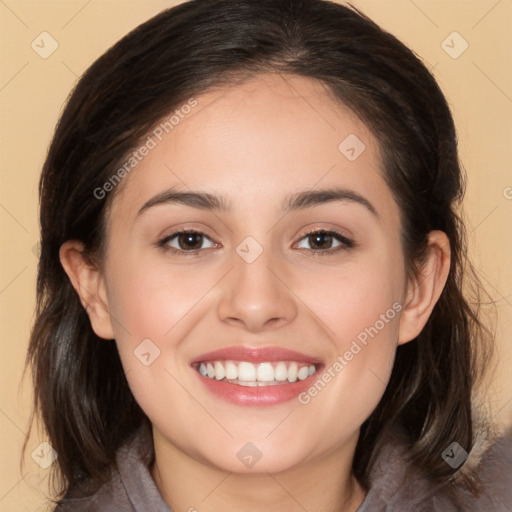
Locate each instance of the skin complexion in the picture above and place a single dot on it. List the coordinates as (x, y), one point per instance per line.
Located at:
(177, 271)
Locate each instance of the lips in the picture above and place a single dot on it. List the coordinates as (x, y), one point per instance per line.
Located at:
(256, 355)
(260, 374)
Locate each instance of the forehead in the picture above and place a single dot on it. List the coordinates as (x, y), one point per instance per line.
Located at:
(256, 142)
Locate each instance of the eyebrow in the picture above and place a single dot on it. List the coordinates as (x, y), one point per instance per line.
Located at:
(292, 202)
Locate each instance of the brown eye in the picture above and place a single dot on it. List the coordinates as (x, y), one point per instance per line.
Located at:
(185, 241)
(320, 240)
(190, 240)
(326, 242)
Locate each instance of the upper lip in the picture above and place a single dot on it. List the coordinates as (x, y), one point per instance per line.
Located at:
(256, 355)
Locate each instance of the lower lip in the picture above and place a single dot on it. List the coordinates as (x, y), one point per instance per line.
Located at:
(258, 395)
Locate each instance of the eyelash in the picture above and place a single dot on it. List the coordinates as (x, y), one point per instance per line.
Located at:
(346, 242)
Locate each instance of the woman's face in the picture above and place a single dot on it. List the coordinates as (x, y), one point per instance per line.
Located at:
(286, 160)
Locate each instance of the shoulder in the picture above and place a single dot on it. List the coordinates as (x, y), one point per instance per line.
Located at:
(110, 497)
(395, 486)
(495, 473)
(131, 487)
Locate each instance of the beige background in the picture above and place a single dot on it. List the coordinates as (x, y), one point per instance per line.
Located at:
(33, 90)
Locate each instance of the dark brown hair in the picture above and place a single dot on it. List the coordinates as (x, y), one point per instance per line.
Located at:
(80, 387)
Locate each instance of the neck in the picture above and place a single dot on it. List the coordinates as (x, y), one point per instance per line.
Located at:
(186, 484)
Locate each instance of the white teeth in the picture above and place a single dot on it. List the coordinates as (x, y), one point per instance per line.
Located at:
(303, 373)
(245, 373)
(265, 372)
(219, 371)
(281, 372)
(292, 372)
(231, 371)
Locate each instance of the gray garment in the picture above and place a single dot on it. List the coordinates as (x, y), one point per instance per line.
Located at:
(393, 486)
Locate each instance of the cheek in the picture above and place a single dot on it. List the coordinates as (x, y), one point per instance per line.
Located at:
(151, 308)
(151, 299)
(348, 299)
(359, 308)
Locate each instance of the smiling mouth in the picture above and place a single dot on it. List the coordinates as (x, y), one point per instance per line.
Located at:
(245, 373)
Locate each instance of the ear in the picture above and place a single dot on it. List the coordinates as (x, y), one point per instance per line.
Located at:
(425, 289)
(89, 283)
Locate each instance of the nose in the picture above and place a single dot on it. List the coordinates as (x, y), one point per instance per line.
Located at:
(255, 297)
